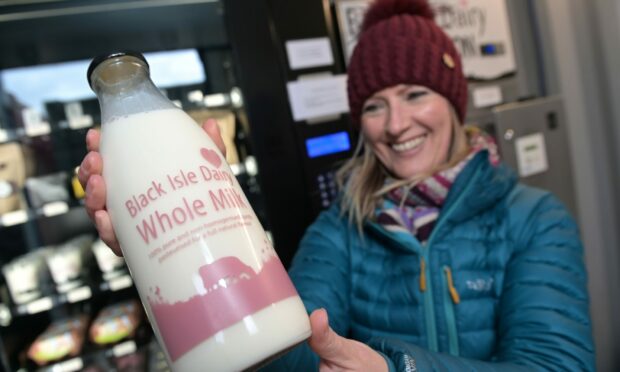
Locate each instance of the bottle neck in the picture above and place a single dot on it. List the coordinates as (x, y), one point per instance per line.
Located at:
(123, 88)
(142, 97)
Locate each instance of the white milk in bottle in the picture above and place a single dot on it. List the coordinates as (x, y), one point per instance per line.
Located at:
(215, 291)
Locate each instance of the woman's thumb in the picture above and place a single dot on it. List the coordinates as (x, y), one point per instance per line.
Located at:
(324, 341)
(213, 130)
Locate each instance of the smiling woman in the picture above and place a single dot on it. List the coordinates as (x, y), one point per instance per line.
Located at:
(435, 256)
(410, 129)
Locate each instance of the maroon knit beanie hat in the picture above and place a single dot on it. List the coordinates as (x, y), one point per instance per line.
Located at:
(400, 43)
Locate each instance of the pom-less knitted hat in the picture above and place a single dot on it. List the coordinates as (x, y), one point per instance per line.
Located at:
(400, 43)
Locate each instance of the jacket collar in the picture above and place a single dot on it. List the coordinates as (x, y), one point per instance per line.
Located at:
(479, 186)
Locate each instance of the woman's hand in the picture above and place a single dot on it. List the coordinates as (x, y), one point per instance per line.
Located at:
(92, 181)
(338, 353)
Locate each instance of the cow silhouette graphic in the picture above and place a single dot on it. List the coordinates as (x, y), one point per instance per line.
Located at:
(225, 272)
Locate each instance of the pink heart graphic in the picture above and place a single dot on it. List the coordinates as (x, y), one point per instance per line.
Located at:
(211, 156)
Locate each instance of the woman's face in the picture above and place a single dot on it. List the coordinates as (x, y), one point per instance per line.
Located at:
(409, 128)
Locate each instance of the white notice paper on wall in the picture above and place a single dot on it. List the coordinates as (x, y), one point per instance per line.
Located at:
(487, 96)
(320, 97)
(531, 154)
(307, 53)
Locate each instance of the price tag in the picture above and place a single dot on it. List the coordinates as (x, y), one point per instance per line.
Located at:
(14, 218)
(73, 110)
(215, 100)
(81, 122)
(70, 365)
(79, 294)
(124, 348)
(195, 96)
(5, 315)
(42, 304)
(34, 123)
(121, 282)
(55, 208)
(39, 130)
(237, 169)
(75, 116)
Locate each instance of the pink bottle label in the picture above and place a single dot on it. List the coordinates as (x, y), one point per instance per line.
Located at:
(234, 291)
(167, 216)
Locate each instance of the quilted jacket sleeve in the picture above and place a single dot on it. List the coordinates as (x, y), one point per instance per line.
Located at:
(320, 272)
(544, 322)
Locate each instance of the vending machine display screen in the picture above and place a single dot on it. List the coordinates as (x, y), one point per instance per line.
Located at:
(328, 144)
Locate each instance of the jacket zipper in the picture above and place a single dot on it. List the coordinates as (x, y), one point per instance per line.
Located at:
(450, 298)
(429, 308)
(425, 285)
(428, 296)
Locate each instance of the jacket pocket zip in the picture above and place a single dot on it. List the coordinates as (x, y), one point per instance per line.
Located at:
(451, 298)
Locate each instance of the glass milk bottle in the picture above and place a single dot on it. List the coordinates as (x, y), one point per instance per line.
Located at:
(214, 289)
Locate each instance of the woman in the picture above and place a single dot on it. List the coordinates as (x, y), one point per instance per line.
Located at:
(435, 258)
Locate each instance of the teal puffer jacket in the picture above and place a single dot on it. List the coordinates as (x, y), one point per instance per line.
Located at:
(500, 285)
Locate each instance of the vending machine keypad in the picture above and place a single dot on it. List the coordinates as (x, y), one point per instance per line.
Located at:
(327, 188)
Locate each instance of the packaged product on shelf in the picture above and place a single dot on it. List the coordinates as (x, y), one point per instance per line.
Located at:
(47, 189)
(24, 274)
(14, 169)
(76, 186)
(66, 262)
(63, 338)
(110, 264)
(116, 322)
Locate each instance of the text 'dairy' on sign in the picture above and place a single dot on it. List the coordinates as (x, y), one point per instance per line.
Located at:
(480, 30)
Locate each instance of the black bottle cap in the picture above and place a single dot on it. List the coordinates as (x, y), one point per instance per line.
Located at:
(103, 57)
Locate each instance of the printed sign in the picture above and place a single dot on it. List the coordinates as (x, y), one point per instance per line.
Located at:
(479, 29)
(319, 97)
(487, 96)
(481, 32)
(309, 53)
(531, 154)
(350, 15)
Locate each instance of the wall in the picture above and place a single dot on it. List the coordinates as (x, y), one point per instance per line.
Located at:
(576, 61)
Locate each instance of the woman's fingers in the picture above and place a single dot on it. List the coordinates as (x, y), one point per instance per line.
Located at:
(106, 232)
(91, 165)
(95, 195)
(92, 140)
(213, 130)
(92, 162)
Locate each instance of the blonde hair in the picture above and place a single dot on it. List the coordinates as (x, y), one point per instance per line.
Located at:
(362, 178)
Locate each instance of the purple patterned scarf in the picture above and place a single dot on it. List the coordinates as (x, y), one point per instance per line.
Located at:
(415, 210)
